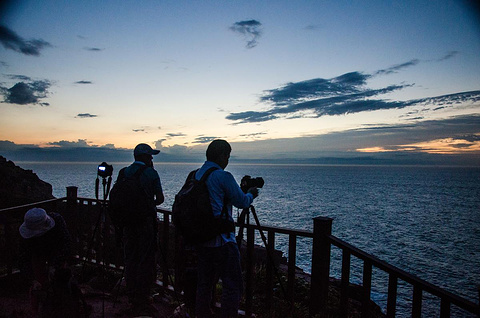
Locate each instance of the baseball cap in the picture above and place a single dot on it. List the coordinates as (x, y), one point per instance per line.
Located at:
(144, 149)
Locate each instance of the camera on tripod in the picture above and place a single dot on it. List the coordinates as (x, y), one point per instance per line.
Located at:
(249, 182)
(105, 170)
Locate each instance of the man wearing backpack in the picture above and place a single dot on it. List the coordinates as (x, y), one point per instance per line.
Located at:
(220, 257)
(139, 235)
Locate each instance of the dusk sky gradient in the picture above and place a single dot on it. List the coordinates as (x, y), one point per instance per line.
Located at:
(297, 80)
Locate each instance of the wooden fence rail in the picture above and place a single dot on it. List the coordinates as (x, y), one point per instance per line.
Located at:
(93, 239)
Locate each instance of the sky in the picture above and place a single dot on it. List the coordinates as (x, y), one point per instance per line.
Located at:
(299, 81)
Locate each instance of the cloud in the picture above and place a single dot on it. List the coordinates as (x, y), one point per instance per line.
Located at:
(320, 97)
(345, 94)
(398, 67)
(312, 27)
(449, 55)
(454, 141)
(204, 140)
(250, 30)
(253, 135)
(469, 138)
(145, 129)
(23, 93)
(84, 82)
(413, 62)
(424, 142)
(158, 143)
(170, 149)
(178, 152)
(80, 143)
(93, 49)
(6, 145)
(19, 77)
(459, 134)
(86, 115)
(10, 40)
(72, 151)
(436, 146)
(171, 135)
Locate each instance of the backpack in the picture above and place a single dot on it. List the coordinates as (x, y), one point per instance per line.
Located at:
(193, 214)
(127, 198)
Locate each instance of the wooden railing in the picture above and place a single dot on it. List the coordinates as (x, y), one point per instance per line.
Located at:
(94, 241)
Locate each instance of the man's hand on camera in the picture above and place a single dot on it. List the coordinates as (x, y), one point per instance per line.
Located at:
(253, 191)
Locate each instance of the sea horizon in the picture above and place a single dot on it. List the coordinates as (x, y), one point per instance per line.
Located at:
(252, 162)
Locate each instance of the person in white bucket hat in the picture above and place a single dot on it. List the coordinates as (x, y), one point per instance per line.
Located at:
(44, 248)
(36, 223)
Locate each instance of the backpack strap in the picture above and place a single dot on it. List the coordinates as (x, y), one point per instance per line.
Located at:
(121, 173)
(191, 175)
(207, 173)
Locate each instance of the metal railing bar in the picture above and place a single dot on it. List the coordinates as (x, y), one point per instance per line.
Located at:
(405, 276)
(30, 205)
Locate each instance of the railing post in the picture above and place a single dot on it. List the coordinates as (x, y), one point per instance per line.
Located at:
(417, 301)
(72, 217)
(392, 295)
(345, 283)
(367, 288)
(292, 251)
(444, 308)
(478, 308)
(72, 197)
(322, 229)
(269, 273)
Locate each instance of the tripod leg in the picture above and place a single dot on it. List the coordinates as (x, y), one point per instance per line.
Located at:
(264, 239)
(241, 222)
(90, 245)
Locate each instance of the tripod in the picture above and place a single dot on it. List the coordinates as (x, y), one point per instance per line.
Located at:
(244, 220)
(101, 214)
(106, 182)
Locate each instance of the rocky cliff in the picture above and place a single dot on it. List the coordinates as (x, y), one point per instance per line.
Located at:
(19, 186)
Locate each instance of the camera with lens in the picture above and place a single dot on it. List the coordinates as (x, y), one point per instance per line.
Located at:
(249, 182)
(105, 170)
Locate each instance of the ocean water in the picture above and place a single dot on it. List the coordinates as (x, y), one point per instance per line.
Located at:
(424, 220)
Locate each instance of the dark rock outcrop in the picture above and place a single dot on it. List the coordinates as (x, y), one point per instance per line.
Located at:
(19, 186)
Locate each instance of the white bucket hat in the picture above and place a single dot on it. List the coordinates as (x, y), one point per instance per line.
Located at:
(36, 223)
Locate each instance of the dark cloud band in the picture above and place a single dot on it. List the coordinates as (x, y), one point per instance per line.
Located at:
(10, 40)
(85, 115)
(340, 95)
(24, 93)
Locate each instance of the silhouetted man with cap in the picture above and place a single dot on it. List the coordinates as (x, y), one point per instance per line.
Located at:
(220, 257)
(140, 236)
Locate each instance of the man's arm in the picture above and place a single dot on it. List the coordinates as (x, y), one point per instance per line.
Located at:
(233, 191)
(159, 198)
(157, 187)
